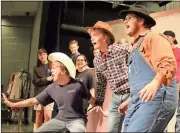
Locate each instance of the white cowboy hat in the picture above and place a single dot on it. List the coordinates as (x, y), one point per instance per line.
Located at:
(65, 60)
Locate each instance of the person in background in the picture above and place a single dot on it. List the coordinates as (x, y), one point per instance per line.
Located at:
(110, 67)
(73, 46)
(172, 38)
(41, 79)
(152, 67)
(67, 92)
(96, 52)
(84, 76)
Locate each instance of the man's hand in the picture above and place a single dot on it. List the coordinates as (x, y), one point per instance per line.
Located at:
(148, 92)
(102, 112)
(49, 78)
(98, 109)
(123, 107)
(91, 108)
(6, 101)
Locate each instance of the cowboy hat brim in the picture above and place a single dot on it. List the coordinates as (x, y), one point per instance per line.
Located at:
(65, 60)
(150, 21)
(107, 32)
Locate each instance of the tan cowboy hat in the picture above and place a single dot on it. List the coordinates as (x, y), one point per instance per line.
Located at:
(140, 11)
(104, 26)
(65, 60)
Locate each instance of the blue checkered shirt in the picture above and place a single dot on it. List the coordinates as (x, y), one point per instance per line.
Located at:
(112, 69)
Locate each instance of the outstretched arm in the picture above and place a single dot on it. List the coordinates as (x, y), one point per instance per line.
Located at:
(24, 103)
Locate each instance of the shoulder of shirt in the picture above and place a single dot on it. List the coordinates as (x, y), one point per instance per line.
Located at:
(77, 82)
(37, 66)
(120, 47)
(54, 84)
(154, 35)
(74, 81)
(87, 72)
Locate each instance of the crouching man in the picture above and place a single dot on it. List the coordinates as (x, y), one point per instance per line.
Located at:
(66, 92)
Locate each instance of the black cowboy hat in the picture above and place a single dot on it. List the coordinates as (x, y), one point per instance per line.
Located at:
(139, 11)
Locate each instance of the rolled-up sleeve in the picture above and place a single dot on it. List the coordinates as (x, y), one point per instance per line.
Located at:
(162, 59)
(100, 90)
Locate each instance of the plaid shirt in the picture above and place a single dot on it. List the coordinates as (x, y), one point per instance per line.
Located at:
(112, 68)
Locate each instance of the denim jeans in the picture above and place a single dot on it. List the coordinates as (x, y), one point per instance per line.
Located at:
(115, 120)
(177, 126)
(152, 116)
(55, 125)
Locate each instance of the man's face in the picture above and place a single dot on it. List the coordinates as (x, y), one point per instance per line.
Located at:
(97, 39)
(73, 48)
(42, 57)
(56, 70)
(132, 24)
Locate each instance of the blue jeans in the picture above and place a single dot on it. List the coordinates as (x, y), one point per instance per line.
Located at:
(151, 116)
(115, 120)
(177, 126)
(54, 125)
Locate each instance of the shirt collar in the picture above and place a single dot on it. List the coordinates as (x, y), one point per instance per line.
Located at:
(109, 50)
(141, 35)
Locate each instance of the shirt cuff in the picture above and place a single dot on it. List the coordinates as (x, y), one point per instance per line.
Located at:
(98, 103)
(164, 79)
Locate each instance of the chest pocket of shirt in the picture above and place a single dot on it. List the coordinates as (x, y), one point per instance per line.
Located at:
(133, 67)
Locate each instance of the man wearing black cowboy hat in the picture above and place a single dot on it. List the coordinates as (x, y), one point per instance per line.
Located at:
(152, 69)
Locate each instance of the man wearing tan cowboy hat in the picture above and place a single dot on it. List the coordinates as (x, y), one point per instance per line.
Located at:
(152, 69)
(66, 92)
(110, 66)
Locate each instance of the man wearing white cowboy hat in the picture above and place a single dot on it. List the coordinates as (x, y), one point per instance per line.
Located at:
(152, 69)
(66, 92)
(110, 66)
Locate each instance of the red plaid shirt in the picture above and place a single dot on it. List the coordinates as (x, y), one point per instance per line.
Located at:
(112, 67)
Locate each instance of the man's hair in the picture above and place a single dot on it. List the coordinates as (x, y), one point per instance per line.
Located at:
(84, 57)
(41, 50)
(146, 24)
(63, 67)
(109, 41)
(73, 42)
